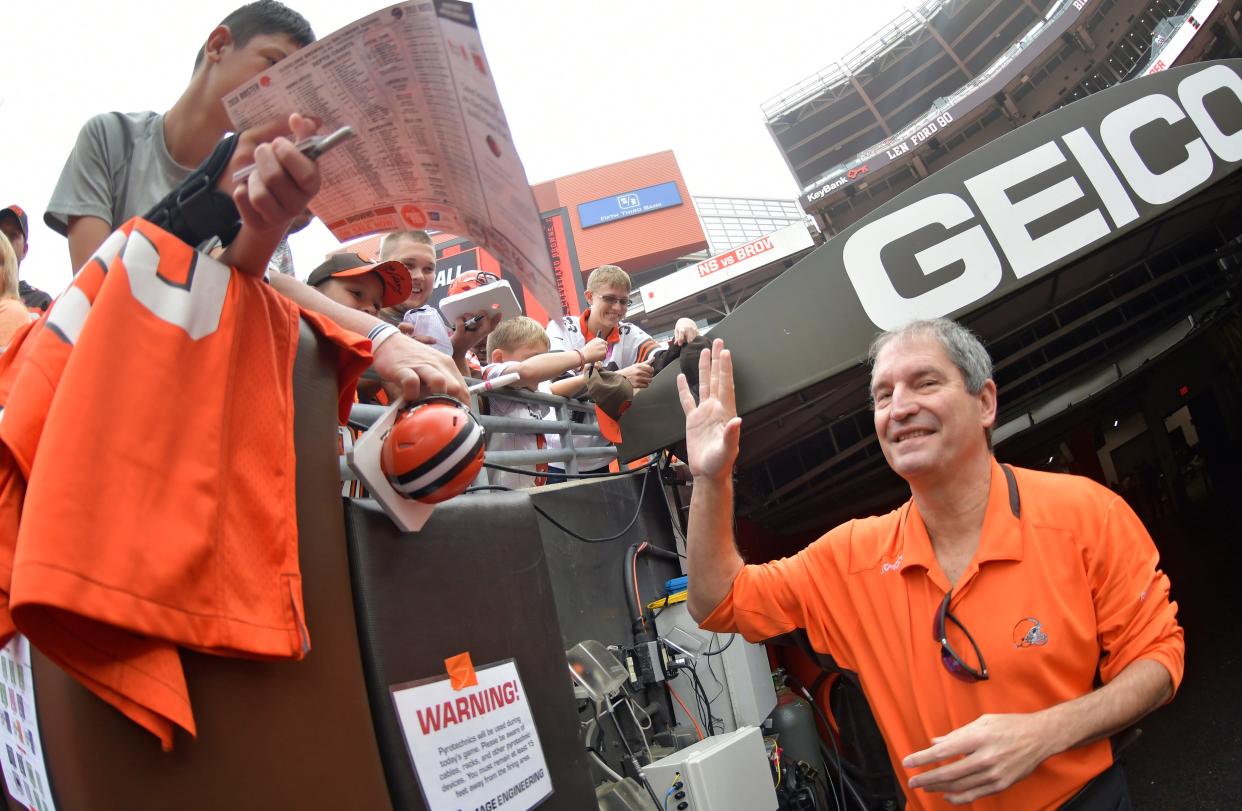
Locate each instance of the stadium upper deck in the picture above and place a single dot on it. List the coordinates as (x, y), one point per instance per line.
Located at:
(952, 75)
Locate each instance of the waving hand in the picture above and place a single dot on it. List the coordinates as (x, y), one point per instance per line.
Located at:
(712, 426)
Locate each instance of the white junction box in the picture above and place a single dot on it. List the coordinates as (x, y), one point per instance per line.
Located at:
(722, 773)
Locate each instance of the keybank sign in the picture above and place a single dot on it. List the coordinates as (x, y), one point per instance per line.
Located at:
(628, 204)
(1045, 194)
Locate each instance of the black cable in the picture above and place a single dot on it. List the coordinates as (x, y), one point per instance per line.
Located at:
(712, 671)
(832, 736)
(638, 510)
(845, 784)
(700, 691)
(664, 553)
(638, 772)
(704, 715)
(722, 650)
(538, 473)
(479, 488)
(633, 600)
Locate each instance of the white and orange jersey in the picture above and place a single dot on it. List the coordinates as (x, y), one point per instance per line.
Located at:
(147, 476)
(627, 344)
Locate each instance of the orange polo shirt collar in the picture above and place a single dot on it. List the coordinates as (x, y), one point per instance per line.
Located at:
(613, 337)
(1000, 539)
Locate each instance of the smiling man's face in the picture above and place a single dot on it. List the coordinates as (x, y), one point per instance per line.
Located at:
(925, 418)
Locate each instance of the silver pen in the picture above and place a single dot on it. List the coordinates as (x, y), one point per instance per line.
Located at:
(311, 147)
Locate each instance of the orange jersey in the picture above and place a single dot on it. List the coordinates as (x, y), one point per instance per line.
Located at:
(147, 493)
(1068, 587)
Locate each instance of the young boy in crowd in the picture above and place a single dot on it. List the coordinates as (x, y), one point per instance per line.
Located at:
(351, 281)
(630, 348)
(423, 321)
(124, 163)
(521, 345)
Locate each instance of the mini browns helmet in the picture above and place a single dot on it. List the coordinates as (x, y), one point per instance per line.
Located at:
(470, 280)
(433, 451)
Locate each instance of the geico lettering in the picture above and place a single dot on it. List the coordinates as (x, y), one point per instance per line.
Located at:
(1009, 220)
(889, 309)
(1193, 89)
(1103, 179)
(1116, 131)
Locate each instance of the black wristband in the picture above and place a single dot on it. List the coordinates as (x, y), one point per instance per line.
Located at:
(195, 211)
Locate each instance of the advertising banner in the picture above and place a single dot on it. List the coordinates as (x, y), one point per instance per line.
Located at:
(729, 265)
(1168, 51)
(628, 204)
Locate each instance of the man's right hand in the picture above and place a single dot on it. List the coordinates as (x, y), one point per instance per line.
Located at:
(713, 426)
(639, 375)
(420, 370)
(276, 192)
(249, 141)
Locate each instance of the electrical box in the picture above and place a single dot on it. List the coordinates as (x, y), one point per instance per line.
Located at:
(722, 773)
(737, 679)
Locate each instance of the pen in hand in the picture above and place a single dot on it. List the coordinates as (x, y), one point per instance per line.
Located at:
(311, 147)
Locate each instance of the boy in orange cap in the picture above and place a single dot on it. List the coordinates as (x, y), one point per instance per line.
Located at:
(352, 281)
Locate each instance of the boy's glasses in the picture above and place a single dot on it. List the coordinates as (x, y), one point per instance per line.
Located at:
(613, 301)
(952, 662)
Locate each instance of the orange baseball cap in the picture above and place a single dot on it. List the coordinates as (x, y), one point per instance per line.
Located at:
(393, 275)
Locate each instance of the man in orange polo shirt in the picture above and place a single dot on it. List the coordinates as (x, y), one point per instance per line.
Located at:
(977, 615)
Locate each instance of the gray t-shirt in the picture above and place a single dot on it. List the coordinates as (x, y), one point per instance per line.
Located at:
(119, 168)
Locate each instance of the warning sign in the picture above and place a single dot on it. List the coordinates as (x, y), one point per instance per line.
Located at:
(475, 748)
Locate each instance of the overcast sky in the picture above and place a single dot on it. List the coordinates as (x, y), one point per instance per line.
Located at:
(583, 84)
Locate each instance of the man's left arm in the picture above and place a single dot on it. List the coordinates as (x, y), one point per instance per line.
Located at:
(1142, 650)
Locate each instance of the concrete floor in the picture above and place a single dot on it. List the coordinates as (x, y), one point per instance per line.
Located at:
(1190, 753)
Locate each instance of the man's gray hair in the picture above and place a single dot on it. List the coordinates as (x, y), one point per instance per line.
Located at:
(961, 345)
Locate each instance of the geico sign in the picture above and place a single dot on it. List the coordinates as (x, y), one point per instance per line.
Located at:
(1001, 234)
